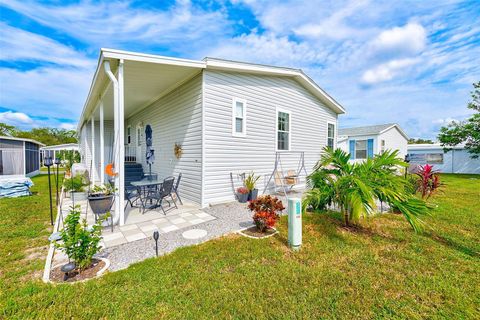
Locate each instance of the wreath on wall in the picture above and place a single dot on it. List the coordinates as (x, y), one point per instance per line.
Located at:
(177, 150)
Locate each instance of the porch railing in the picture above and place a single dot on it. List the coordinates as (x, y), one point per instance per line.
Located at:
(130, 153)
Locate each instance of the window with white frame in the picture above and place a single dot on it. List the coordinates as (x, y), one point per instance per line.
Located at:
(139, 135)
(129, 135)
(239, 112)
(382, 146)
(283, 130)
(331, 135)
(361, 149)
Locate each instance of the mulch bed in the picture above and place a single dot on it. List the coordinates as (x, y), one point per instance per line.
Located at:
(253, 232)
(56, 275)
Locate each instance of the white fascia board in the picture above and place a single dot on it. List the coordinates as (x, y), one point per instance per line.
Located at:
(150, 58)
(22, 139)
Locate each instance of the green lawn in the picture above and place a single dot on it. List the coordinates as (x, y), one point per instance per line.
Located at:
(381, 270)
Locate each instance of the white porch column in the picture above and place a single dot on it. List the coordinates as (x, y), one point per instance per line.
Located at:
(92, 164)
(102, 146)
(121, 145)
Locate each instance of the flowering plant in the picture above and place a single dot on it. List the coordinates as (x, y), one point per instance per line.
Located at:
(428, 180)
(242, 190)
(266, 209)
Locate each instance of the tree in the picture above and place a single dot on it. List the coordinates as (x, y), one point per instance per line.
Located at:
(419, 141)
(467, 131)
(7, 130)
(355, 187)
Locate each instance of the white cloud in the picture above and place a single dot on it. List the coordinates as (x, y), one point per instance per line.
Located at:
(68, 126)
(409, 39)
(387, 71)
(105, 24)
(20, 45)
(15, 118)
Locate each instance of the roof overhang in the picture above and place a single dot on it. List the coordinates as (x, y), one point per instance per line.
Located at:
(432, 146)
(162, 74)
(22, 139)
(65, 146)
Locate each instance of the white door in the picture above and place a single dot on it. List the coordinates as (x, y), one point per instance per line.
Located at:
(139, 143)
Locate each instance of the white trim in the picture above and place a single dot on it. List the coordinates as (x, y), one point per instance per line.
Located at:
(277, 110)
(202, 182)
(21, 139)
(234, 117)
(334, 134)
(93, 166)
(25, 158)
(395, 125)
(102, 144)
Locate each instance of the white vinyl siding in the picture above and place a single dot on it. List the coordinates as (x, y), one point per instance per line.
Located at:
(225, 153)
(176, 118)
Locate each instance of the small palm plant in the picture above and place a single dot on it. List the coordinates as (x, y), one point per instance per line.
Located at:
(354, 188)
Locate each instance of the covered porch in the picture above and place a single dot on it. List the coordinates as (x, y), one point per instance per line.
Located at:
(112, 135)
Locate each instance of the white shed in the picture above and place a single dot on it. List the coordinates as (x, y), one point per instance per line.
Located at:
(457, 160)
(365, 142)
(226, 116)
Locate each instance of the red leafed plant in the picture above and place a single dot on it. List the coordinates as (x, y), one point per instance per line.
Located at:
(428, 180)
(242, 190)
(266, 209)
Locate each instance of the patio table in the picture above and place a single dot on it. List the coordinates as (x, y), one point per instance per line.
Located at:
(147, 190)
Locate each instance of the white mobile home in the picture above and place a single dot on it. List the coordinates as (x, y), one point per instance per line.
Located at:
(457, 160)
(19, 156)
(365, 142)
(225, 117)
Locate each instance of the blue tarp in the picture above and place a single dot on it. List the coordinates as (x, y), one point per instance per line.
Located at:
(15, 187)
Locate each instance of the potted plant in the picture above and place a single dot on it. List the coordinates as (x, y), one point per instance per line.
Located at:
(250, 184)
(75, 186)
(266, 212)
(242, 194)
(100, 198)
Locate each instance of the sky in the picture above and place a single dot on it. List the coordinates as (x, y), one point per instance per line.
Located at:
(409, 62)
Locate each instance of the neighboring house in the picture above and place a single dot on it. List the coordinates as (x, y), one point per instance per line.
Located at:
(19, 157)
(365, 142)
(51, 151)
(457, 160)
(227, 117)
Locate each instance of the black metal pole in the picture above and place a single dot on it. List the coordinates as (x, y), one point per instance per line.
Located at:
(50, 193)
(57, 185)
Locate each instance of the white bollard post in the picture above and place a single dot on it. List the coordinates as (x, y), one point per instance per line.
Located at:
(295, 223)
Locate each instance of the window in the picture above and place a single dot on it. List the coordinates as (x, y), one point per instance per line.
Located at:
(129, 135)
(434, 158)
(139, 135)
(361, 149)
(382, 146)
(283, 130)
(239, 115)
(331, 135)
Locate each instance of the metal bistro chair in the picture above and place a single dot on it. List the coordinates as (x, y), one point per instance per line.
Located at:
(165, 192)
(132, 195)
(175, 188)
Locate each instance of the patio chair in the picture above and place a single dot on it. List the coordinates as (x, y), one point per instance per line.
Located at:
(161, 195)
(175, 188)
(132, 195)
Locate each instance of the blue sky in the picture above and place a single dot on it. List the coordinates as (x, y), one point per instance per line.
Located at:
(410, 62)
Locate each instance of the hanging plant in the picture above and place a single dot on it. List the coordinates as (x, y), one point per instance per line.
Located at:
(177, 150)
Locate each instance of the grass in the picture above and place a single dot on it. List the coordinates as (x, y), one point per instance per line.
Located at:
(380, 270)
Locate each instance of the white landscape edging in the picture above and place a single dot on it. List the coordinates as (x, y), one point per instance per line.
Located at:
(51, 250)
(256, 238)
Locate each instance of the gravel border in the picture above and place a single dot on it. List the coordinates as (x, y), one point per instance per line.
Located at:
(230, 217)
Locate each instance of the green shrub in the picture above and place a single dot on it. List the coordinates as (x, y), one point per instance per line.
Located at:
(251, 181)
(75, 184)
(79, 241)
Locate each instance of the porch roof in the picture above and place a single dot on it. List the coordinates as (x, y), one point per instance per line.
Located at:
(148, 77)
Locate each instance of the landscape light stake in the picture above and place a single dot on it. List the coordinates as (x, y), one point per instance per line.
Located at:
(155, 236)
(407, 160)
(57, 162)
(48, 163)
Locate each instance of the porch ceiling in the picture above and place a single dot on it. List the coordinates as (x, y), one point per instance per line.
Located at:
(144, 83)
